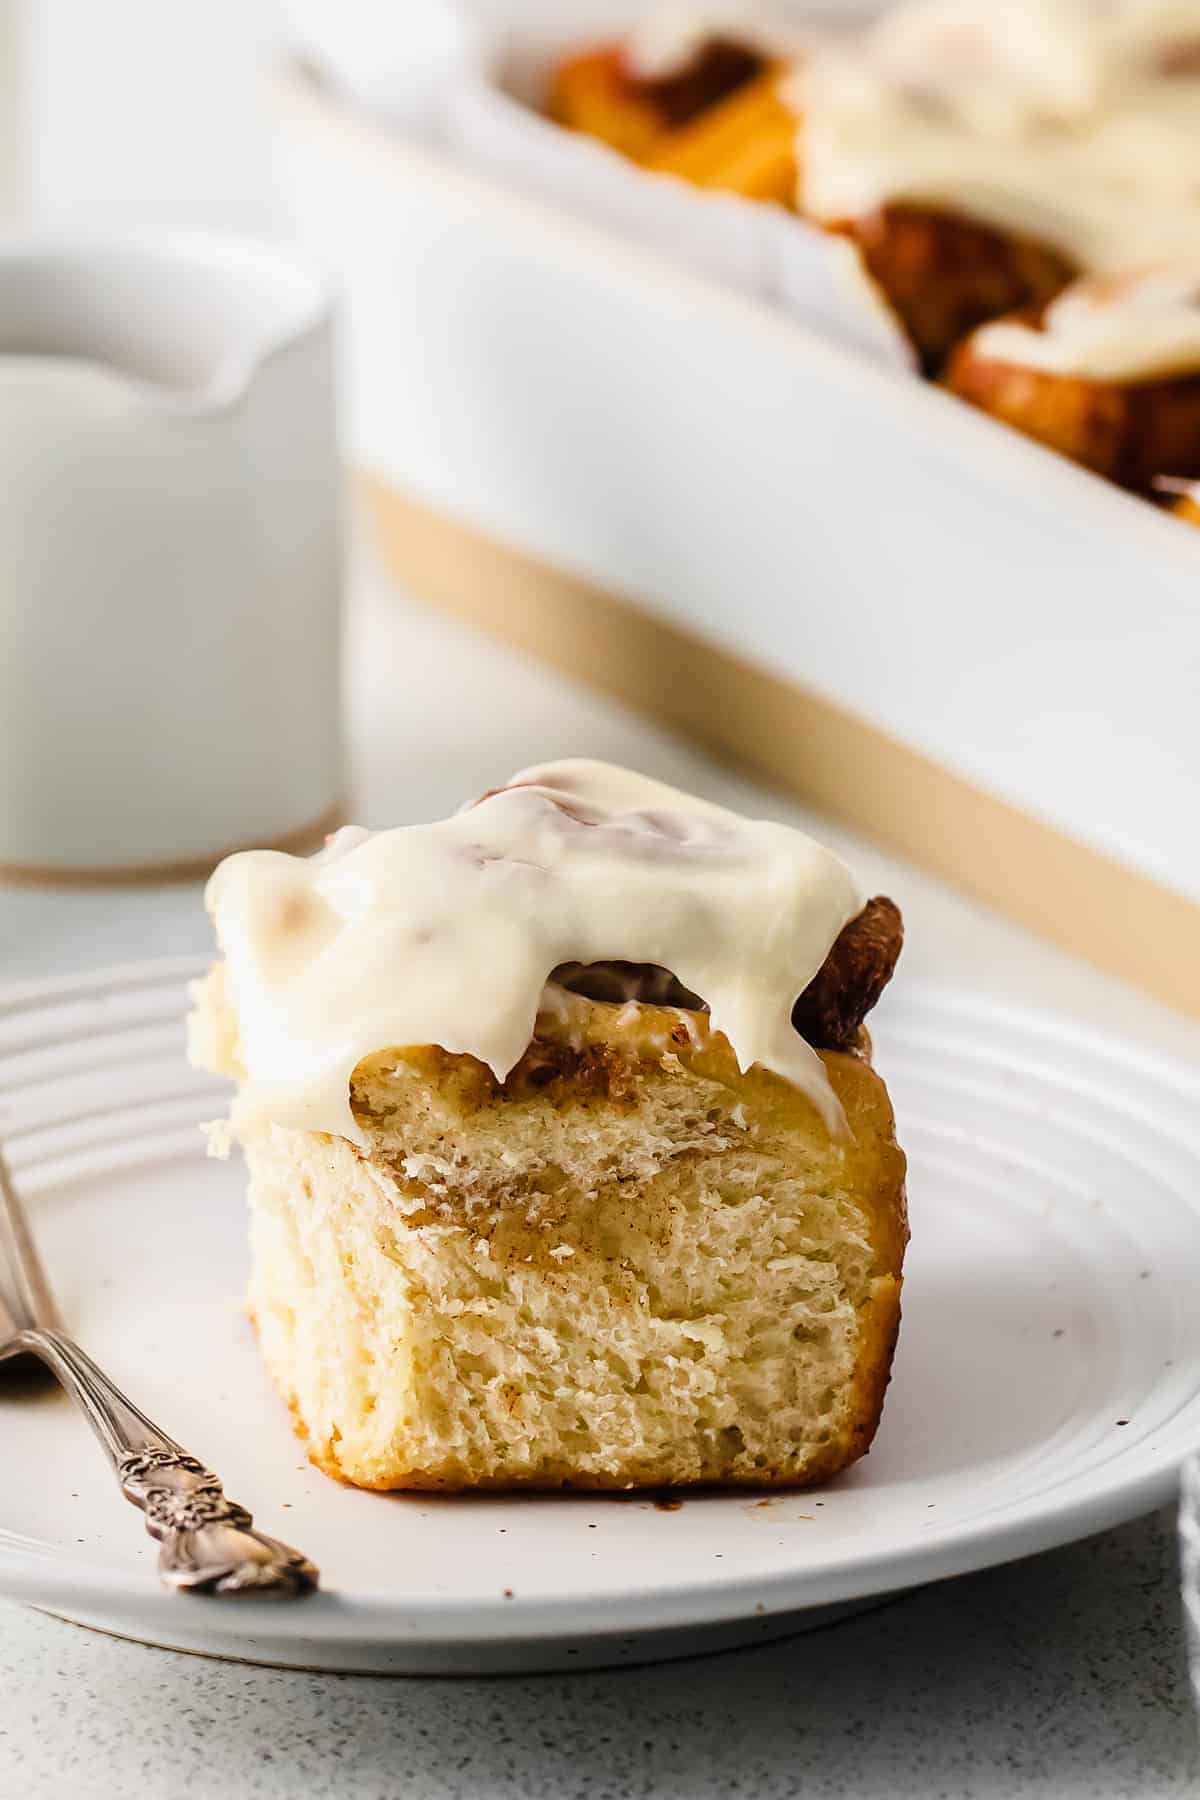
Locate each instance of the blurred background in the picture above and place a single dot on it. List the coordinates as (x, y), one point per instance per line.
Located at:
(478, 335)
(136, 113)
(1021, 771)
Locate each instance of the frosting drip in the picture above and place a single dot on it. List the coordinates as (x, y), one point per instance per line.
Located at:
(1075, 122)
(448, 933)
(1142, 327)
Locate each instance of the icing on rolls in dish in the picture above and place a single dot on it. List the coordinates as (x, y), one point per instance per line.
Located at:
(1137, 327)
(448, 933)
(1072, 122)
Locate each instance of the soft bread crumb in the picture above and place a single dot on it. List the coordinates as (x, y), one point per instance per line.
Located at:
(218, 1138)
(627, 1265)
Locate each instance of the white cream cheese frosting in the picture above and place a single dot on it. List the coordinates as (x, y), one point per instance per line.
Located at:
(1132, 328)
(448, 933)
(1076, 122)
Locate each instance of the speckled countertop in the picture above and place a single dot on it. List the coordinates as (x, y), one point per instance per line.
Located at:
(1059, 1677)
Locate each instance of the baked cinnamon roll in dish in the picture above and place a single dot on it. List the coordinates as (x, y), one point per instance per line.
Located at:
(1108, 374)
(695, 94)
(568, 1163)
(981, 152)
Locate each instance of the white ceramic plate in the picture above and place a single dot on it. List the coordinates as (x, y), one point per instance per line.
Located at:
(1047, 1383)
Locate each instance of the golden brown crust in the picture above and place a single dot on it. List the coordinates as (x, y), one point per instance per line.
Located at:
(1129, 433)
(591, 93)
(719, 122)
(594, 92)
(745, 144)
(830, 1011)
(944, 274)
(1187, 509)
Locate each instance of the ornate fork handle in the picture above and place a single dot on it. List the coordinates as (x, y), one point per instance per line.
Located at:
(208, 1543)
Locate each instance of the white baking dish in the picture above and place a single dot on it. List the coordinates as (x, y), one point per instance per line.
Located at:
(861, 538)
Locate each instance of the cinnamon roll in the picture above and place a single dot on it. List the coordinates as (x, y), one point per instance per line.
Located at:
(1108, 374)
(568, 1162)
(698, 94)
(981, 155)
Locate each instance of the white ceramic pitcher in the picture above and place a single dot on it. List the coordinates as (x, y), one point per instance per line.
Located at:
(170, 555)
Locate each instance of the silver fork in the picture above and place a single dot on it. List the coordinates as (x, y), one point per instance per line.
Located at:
(207, 1543)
